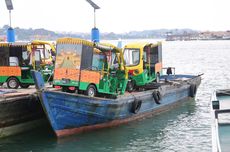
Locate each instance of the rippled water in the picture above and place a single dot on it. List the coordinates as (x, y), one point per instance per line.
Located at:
(184, 128)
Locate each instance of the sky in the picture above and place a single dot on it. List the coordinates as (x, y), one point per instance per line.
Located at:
(118, 16)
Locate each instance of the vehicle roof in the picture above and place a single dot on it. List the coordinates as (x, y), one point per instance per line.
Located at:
(141, 44)
(67, 40)
(23, 43)
(107, 47)
(101, 46)
(40, 42)
(8, 44)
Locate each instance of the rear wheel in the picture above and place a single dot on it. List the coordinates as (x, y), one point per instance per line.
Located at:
(91, 91)
(12, 83)
(24, 85)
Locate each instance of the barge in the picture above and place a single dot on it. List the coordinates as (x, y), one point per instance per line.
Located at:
(20, 111)
(71, 113)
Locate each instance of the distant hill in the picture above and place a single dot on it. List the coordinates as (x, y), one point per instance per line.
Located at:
(43, 34)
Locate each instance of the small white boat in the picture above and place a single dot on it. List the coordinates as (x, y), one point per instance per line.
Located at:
(220, 110)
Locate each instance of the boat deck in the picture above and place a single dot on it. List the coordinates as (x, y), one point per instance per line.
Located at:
(224, 118)
(224, 135)
(15, 93)
(165, 82)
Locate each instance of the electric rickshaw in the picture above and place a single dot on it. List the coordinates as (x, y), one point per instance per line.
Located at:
(143, 61)
(91, 68)
(19, 58)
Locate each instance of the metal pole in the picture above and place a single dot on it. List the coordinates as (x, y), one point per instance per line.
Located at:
(10, 17)
(94, 17)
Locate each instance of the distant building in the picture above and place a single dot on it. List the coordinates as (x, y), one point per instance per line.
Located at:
(217, 35)
(182, 37)
(207, 35)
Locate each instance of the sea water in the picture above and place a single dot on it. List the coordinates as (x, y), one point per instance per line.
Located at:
(186, 128)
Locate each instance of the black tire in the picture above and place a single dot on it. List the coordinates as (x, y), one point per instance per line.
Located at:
(12, 83)
(156, 97)
(192, 90)
(91, 91)
(65, 89)
(136, 106)
(130, 86)
(24, 85)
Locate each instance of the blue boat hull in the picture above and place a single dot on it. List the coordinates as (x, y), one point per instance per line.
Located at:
(71, 113)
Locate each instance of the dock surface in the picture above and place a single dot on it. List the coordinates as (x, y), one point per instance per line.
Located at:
(10, 93)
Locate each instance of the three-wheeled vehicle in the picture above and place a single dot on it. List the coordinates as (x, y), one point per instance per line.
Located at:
(47, 51)
(143, 61)
(19, 58)
(89, 68)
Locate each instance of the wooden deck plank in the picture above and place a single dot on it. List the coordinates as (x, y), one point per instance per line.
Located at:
(20, 92)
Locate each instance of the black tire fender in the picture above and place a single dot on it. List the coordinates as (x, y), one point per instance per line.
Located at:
(130, 86)
(24, 85)
(156, 96)
(136, 106)
(192, 91)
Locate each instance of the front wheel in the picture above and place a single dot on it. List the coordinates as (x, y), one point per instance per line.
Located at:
(12, 83)
(91, 91)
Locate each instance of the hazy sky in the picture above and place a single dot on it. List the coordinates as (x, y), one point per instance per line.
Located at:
(118, 15)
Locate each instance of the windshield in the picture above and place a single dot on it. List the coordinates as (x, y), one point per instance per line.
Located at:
(98, 61)
(43, 52)
(131, 56)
